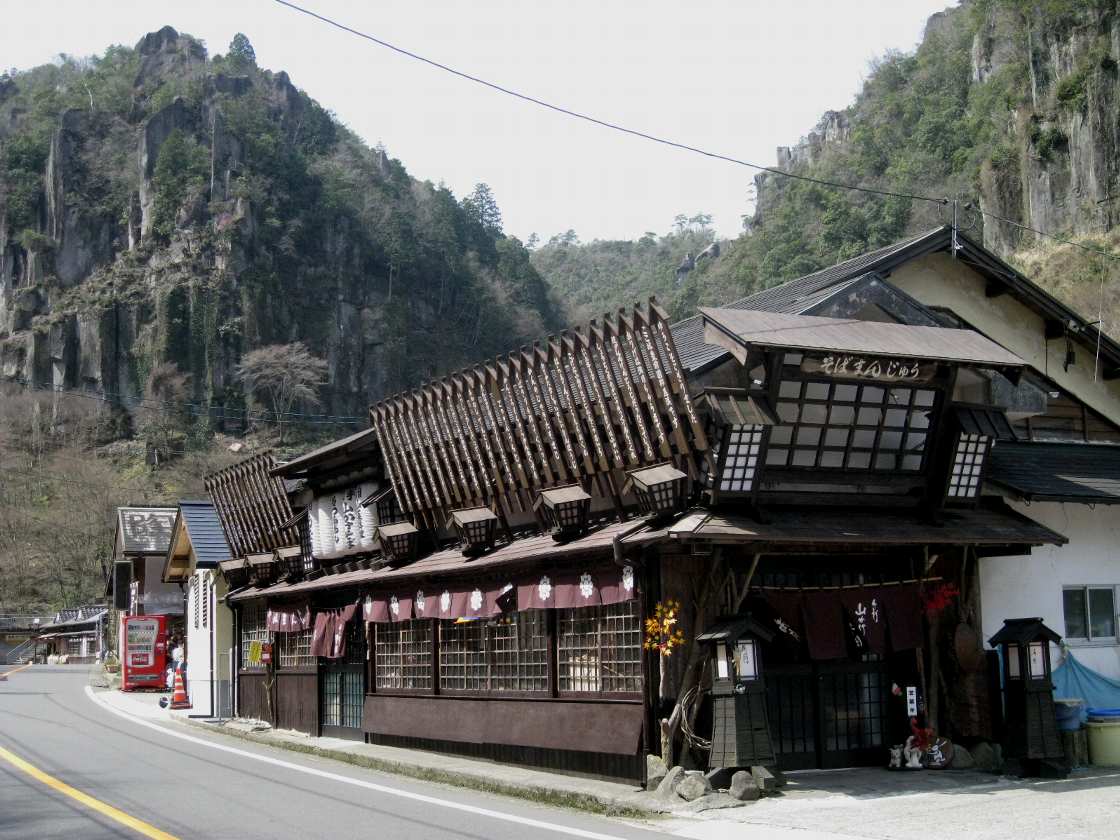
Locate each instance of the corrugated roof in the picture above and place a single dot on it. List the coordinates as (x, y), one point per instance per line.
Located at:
(850, 335)
(205, 532)
(145, 530)
(794, 296)
(1074, 472)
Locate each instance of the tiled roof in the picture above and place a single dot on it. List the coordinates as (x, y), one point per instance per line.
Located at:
(1075, 472)
(145, 530)
(792, 297)
(205, 531)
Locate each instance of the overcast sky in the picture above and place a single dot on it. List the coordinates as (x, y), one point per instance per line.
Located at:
(739, 77)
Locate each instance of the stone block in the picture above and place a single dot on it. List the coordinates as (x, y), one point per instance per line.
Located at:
(765, 780)
(655, 771)
(711, 802)
(962, 758)
(667, 788)
(984, 757)
(692, 788)
(744, 787)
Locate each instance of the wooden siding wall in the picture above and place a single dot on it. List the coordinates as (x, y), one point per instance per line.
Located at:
(252, 506)
(252, 700)
(593, 738)
(575, 408)
(297, 701)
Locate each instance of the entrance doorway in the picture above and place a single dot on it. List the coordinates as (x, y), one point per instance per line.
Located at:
(342, 687)
(829, 714)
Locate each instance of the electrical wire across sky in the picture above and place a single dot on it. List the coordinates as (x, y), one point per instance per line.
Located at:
(653, 138)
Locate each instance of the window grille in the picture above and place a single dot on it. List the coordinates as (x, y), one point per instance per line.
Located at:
(968, 464)
(740, 460)
(388, 511)
(835, 425)
(293, 650)
(253, 629)
(519, 652)
(403, 654)
(599, 649)
(462, 655)
(192, 597)
(204, 597)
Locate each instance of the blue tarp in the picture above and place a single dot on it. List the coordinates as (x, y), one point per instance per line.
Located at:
(1072, 679)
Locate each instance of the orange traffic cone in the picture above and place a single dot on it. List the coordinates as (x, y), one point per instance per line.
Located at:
(179, 699)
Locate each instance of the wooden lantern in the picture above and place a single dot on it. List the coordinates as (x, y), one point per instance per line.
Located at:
(475, 527)
(740, 724)
(1032, 728)
(565, 509)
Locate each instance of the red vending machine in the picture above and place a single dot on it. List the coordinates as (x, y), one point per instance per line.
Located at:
(144, 652)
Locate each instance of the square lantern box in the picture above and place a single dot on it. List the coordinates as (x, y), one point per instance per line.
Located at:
(475, 527)
(978, 427)
(289, 560)
(263, 568)
(399, 541)
(565, 509)
(739, 431)
(1032, 728)
(661, 490)
(740, 724)
(235, 571)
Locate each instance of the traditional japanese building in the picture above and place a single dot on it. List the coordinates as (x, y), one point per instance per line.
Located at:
(141, 538)
(838, 461)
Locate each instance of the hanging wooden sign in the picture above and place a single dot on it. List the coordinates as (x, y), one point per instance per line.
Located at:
(879, 369)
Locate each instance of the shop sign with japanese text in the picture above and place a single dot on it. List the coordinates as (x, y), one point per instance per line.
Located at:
(879, 369)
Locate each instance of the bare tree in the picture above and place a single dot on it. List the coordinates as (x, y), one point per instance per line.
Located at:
(165, 413)
(283, 375)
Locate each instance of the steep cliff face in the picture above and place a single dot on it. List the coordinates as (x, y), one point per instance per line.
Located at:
(159, 205)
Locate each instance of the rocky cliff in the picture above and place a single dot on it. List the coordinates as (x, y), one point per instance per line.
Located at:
(161, 205)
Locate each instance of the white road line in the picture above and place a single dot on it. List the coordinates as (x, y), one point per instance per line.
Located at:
(335, 777)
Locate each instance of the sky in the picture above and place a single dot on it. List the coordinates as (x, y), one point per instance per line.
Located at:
(737, 77)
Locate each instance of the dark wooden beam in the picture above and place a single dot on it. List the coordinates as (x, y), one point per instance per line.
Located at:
(994, 288)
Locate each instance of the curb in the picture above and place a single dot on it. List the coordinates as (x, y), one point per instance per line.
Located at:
(606, 805)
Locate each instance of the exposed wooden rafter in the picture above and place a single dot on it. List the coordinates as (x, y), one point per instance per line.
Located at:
(576, 407)
(252, 506)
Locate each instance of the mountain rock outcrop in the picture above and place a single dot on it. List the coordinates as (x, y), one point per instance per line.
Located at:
(159, 205)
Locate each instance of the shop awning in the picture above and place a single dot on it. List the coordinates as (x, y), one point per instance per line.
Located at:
(450, 562)
(739, 329)
(991, 524)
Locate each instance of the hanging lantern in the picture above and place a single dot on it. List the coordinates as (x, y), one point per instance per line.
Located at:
(660, 489)
(476, 527)
(565, 509)
(399, 541)
(739, 432)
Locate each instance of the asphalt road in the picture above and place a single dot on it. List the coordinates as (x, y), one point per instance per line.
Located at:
(187, 788)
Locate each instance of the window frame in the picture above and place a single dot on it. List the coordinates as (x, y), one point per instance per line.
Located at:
(638, 659)
(1089, 640)
(374, 646)
(246, 634)
(488, 655)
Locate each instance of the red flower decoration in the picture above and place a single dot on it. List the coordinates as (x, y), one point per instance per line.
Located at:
(938, 598)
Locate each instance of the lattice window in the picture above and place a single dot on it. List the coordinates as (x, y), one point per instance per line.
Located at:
(599, 649)
(204, 597)
(253, 629)
(462, 655)
(403, 655)
(388, 511)
(519, 652)
(968, 464)
(740, 461)
(193, 598)
(834, 425)
(293, 650)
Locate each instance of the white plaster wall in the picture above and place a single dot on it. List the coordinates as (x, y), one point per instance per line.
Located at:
(1020, 587)
(199, 650)
(939, 280)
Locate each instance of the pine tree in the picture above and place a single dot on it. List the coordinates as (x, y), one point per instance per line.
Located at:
(241, 51)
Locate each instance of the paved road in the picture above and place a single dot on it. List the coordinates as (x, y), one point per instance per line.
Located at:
(188, 789)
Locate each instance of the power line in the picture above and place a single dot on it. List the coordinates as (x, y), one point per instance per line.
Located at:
(595, 120)
(662, 140)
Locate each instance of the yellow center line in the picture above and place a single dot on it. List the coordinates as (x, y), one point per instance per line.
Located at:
(97, 805)
(16, 670)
